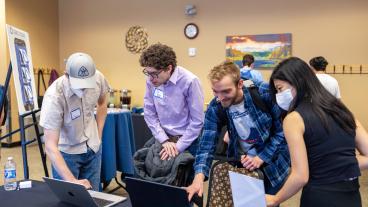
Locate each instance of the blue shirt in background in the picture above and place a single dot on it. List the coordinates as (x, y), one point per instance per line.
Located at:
(250, 74)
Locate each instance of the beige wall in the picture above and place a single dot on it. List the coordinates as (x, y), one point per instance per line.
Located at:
(40, 19)
(336, 29)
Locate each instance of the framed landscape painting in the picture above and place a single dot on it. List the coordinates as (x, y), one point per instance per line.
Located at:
(268, 49)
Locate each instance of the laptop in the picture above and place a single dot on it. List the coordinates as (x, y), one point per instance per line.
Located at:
(77, 194)
(144, 193)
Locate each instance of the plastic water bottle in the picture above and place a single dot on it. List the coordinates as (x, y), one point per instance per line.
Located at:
(10, 175)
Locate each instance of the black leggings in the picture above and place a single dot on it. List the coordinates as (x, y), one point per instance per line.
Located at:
(345, 193)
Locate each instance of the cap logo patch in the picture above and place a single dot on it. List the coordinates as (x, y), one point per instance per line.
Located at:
(83, 72)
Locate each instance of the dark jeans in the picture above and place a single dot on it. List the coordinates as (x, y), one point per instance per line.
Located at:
(83, 166)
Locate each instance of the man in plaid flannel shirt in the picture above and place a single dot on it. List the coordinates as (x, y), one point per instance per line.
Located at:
(256, 137)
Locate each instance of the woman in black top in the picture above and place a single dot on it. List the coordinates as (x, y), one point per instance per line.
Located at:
(322, 136)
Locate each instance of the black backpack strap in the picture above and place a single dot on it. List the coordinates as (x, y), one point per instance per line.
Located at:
(257, 99)
(221, 146)
(221, 114)
(40, 75)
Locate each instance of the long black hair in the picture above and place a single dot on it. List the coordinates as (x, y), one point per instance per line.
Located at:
(308, 88)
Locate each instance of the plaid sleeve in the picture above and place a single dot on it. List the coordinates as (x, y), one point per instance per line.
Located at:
(208, 141)
(277, 138)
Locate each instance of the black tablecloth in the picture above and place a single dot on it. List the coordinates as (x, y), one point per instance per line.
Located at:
(38, 196)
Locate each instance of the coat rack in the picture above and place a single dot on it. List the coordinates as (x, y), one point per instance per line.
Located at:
(45, 71)
(347, 69)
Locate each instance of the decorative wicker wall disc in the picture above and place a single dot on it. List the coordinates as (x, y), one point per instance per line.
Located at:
(136, 39)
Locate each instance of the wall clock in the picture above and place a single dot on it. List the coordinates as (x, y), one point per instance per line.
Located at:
(191, 31)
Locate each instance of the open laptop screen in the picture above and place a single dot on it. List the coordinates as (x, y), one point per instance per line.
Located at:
(145, 193)
(77, 195)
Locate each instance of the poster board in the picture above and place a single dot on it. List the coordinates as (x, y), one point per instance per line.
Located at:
(21, 59)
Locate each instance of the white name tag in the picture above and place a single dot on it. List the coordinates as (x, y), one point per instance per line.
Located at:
(158, 93)
(76, 113)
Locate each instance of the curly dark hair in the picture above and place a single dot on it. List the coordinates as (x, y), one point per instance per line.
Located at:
(158, 56)
(318, 63)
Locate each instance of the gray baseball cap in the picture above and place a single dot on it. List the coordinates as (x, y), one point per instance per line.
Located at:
(81, 71)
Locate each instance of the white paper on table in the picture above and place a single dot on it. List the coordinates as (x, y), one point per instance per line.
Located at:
(247, 191)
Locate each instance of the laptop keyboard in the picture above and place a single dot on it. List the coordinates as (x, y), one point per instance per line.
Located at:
(102, 202)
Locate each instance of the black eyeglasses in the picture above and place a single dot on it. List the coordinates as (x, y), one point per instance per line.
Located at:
(152, 75)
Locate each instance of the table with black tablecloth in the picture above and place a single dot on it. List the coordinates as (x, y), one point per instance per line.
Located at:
(40, 195)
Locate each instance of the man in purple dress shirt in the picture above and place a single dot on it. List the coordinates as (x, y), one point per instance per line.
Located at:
(173, 102)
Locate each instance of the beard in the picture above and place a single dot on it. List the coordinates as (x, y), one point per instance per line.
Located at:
(229, 101)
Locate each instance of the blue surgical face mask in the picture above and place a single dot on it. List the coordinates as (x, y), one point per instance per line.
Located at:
(284, 99)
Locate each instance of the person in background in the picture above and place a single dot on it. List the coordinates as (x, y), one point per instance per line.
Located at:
(72, 133)
(247, 71)
(322, 136)
(319, 64)
(173, 102)
(255, 137)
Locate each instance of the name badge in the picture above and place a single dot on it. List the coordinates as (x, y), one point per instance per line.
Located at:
(76, 113)
(158, 93)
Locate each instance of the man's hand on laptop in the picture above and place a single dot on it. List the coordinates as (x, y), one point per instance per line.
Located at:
(84, 182)
(196, 187)
(169, 150)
